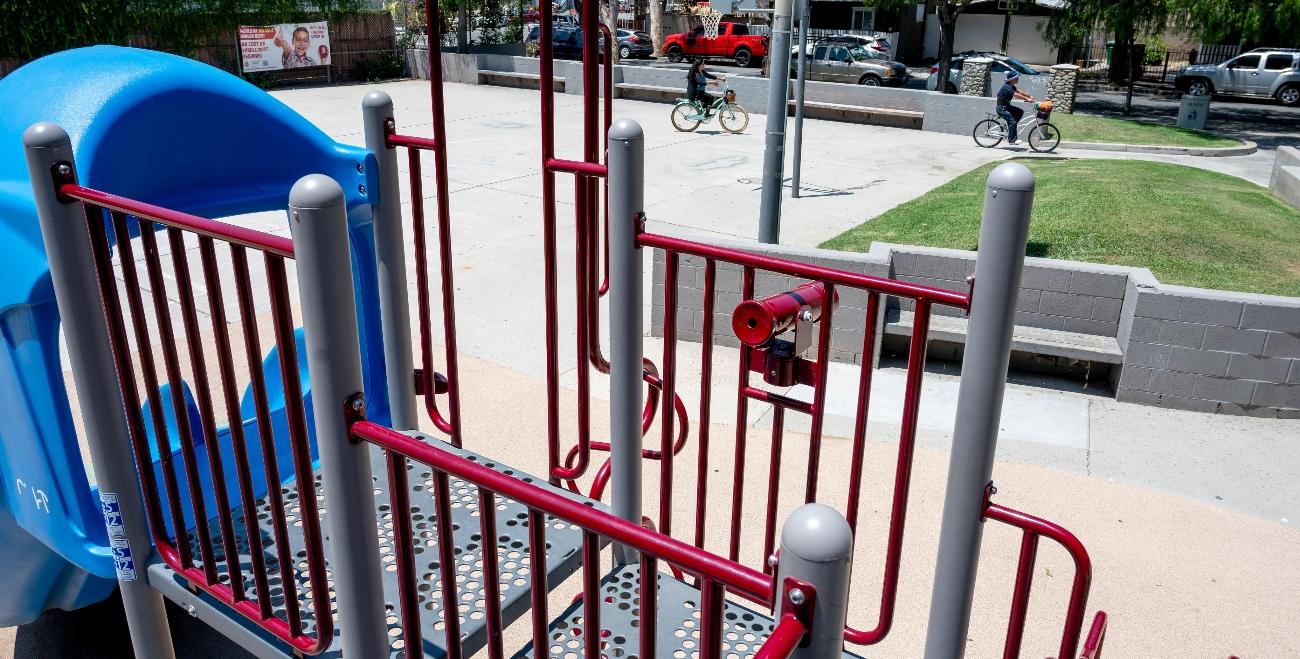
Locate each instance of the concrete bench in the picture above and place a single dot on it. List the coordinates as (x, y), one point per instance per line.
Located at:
(856, 114)
(516, 79)
(1027, 340)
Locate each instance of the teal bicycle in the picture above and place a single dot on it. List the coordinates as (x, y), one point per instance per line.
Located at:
(687, 115)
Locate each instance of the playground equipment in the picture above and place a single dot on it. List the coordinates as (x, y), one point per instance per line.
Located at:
(354, 533)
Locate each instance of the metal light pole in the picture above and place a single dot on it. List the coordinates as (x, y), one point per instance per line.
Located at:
(778, 95)
(804, 14)
(1008, 198)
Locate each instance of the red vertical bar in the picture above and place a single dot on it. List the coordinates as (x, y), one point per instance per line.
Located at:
(262, 412)
(122, 358)
(487, 517)
(648, 603)
(1020, 596)
(537, 573)
(444, 227)
(591, 595)
(742, 420)
(447, 565)
(903, 470)
(144, 348)
(399, 497)
(185, 289)
(819, 394)
(546, 70)
(300, 449)
(669, 394)
(426, 384)
(706, 398)
(711, 600)
(582, 310)
(171, 361)
(225, 364)
(864, 403)
(773, 485)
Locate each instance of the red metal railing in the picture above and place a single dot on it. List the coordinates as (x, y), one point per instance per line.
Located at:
(589, 282)
(717, 576)
(1096, 637)
(259, 604)
(430, 383)
(813, 374)
(1033, 528)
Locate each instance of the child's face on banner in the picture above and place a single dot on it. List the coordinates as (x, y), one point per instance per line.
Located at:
(300, 42)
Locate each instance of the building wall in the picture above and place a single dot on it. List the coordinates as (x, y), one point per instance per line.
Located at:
(983, 32)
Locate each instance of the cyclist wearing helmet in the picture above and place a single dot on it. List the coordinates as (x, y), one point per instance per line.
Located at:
(1010, 113)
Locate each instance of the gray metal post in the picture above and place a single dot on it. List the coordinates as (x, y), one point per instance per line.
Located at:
(778, 96)
(1008, 200)
(318, 221)
(804, 16)
(76, 289)
(626, 191)
(817, 548)
(390, 262)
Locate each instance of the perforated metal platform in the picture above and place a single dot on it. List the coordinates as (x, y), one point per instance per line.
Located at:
(564, 542)
(678, 632)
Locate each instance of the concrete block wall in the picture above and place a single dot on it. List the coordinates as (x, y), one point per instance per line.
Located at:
(1184, 348)
(953, 113)
(1084, 298)
(1210, 351)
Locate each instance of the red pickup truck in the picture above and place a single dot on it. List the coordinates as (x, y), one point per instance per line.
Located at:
(733, 42)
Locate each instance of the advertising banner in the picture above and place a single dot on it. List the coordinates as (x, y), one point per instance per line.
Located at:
(284, 46)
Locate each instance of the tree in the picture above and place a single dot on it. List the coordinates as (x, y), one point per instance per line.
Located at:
(1125, 19)
(1266, 22)
(657, 26)
(948, 11)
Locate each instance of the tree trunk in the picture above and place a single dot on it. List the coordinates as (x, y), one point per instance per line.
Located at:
(462, 27)
(657, 26)
(609, 16)
(947, 33)
(1119, 59)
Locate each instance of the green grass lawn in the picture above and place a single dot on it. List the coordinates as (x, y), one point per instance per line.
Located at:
(1189, 226)
(1085, 128)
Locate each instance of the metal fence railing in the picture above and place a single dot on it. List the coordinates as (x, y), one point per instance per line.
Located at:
(1151, 64)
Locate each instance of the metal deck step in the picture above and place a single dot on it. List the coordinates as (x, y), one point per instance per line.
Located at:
(678, 632)
(564, 542)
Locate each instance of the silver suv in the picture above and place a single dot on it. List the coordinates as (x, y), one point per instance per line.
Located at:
(1271, 72)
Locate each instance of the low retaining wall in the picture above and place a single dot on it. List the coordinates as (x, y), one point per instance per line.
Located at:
(944, 113)
(1183, 348)
(1285, 180)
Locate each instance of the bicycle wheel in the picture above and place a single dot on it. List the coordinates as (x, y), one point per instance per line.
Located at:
(988, 133)
(681, 117)
(734, 118)
(1044, 137)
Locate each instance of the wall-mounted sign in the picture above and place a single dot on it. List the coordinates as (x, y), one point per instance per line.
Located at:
(284, 46)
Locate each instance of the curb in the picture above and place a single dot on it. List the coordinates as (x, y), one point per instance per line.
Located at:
(1247, 147)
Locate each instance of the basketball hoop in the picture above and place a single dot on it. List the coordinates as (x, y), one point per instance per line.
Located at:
(711, 20)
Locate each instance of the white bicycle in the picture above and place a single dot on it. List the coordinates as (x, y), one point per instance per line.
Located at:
(1043, 136)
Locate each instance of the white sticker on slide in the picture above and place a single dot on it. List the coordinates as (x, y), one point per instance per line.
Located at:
(122, 560)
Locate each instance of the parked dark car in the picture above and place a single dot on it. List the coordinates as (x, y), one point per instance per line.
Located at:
(634, 43)
(566, 42)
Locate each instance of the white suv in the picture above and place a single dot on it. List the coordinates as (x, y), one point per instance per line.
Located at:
(1271, 72)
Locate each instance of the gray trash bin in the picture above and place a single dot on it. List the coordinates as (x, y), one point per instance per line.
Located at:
(1192, 111)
